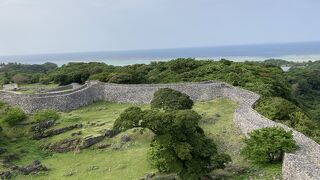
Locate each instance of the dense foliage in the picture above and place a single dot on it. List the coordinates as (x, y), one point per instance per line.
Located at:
(45, 114)
(24, 73)
(14, 115)
(286, 112)
(268, 144)
(305, 81)
(179, 145)
(295, 92)
(265, 79)
(169, 99)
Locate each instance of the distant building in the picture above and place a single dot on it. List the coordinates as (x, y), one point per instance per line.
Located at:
(285, 68)
(10, 87)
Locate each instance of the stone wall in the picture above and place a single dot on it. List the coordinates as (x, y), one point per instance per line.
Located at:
(61, 101)
(302, 164)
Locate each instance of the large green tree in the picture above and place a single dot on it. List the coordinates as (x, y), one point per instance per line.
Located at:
(179, 144)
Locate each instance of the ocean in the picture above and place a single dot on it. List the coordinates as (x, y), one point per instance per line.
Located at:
(288, 51)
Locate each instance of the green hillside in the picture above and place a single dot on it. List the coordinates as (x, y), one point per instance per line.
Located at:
(116, 158)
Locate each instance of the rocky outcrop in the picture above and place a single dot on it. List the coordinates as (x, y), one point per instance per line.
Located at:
(33, 168)
(5, 175)
(42, 125)
(62, 146)
(110, 132)
(91, 140)
(124, 139)
(53, 132)
(73, 144)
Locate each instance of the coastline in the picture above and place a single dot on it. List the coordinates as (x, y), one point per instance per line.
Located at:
(123, 61)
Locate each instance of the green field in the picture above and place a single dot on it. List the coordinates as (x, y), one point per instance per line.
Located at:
(34, 88)
(129, 160)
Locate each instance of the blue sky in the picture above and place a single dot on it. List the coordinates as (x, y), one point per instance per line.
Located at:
(53, 26)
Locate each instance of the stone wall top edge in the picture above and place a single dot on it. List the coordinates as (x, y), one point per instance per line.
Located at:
(167, 84)
(90, 84)
(48, 94)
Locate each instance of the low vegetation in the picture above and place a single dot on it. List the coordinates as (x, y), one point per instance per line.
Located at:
(112, 158)
(14, 115)
(268, 145)
(45, 114)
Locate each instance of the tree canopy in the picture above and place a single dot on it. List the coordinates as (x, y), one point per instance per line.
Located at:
(268, 144)
(296, 90)
(169, 99)
(179, 144)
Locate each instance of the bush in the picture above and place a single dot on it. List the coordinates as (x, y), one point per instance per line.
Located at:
(169, 99)
(121, 78)
(276, 108)
(268, 144)
(21, 78)
(4, 107)
(45, 114)
(14, 115)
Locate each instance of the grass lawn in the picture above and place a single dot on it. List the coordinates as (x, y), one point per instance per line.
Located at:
(33, 88)
(130, 161)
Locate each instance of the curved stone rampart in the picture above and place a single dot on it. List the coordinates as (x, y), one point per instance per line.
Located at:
(302, 164)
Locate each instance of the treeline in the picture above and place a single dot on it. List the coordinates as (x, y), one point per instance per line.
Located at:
(283, 94)
(305, 81)
(24, 73)
(264, 79)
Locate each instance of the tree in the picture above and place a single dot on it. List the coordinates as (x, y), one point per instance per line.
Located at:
(179, 145)
(169, 99)
(268, 144)
(21, 78)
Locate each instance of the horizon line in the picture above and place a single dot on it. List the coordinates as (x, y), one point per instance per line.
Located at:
(173, 48)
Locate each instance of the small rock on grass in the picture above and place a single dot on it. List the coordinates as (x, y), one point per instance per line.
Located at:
(70, 173)
(5, 175)
(92, 167)
(33, 168)
(103, 146)
(2, 150)
(125, 138)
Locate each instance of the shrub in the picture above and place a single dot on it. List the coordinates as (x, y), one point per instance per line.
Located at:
(276, 108)
(121, 78)
(14, 115)
(4, 107)
(21, 79)
(268, 144)
(45, 114)
(169, 99)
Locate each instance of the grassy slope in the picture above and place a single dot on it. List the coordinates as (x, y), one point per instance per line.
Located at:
(130, 161)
